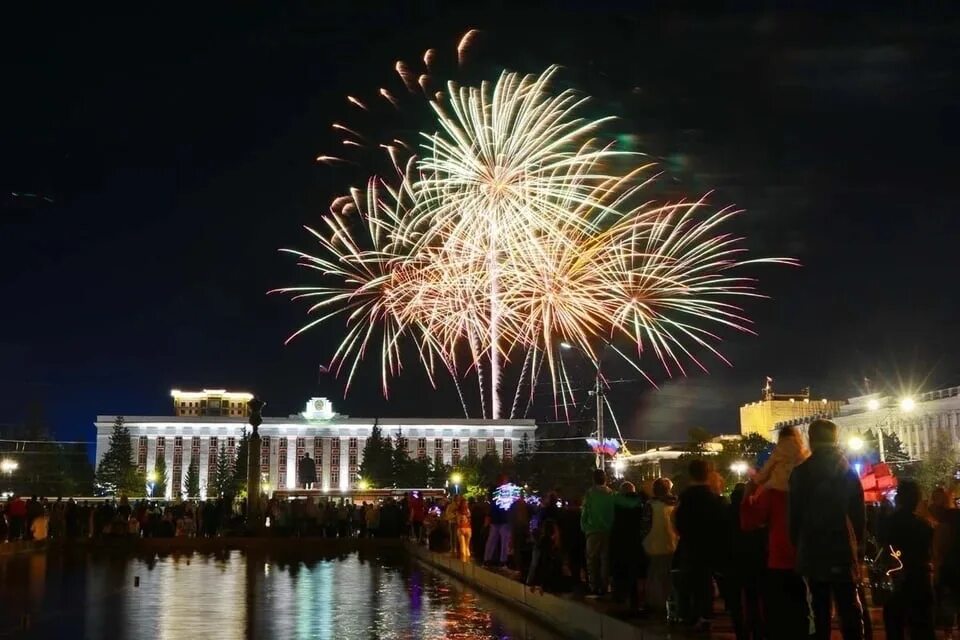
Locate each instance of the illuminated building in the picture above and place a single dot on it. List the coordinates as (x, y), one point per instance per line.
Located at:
(775, 408)
(916, 420)
(205, 422)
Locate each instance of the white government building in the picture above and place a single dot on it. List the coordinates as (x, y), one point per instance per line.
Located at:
(916, 420)
(203, 421)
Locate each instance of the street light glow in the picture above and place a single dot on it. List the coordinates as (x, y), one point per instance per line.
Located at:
(362, 484)
(456, 478)
(855, 443)
(739, 467)
(907, 404)
(152, 476)
(873, 404)
(8, 466)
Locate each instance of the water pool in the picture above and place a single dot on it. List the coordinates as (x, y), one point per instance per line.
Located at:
(77, 594)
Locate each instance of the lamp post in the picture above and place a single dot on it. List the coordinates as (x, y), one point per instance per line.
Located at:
(253, 464)
(8, 466)
(906, 405)
(455, 480)
(596, 393)
(739, 467)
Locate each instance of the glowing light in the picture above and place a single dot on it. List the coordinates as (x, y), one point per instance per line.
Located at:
(514, 230)
(456, 478)
(362, 484)
(739, 467)
(505, 495)
(607, 446)
(8, 466)
(235, 395)
(152, 477)
(855, 443)
(873, 404)
(907, 404)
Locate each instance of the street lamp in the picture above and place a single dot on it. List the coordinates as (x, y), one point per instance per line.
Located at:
(455, 480)
(152, 477)
(8, 466)
(907, 404)
(739, 467)
(873, 404)
(362, 484)
(618, 467)
(855, 444)
(597, 391)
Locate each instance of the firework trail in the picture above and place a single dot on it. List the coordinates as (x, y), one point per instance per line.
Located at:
(514, 229)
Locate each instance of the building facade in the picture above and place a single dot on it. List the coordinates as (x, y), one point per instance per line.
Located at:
(196, 435)
(918, 421)
(775, 408)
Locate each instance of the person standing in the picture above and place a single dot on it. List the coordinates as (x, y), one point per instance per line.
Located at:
(827, 519)
(700, 520)
(744, 571)
(764, 508)
(629, 572)
(596, 521)
(501, 524)
(16, 517)
(659, 542)
(464, 528)
(911, 604)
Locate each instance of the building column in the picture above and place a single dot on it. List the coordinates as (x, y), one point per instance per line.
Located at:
(204, 464)
(324, 480)
(291, 479)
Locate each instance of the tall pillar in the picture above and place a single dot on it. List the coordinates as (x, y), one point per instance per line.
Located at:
(290, 482)
(204, 466)
(254, 506)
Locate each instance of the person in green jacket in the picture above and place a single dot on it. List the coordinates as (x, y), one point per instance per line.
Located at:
(596, 521)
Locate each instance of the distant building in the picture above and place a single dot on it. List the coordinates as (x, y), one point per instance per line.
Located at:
(774, 408)
(204, 421)
(917, 421)
(210, 402)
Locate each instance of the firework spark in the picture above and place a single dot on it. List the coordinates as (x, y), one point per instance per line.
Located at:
(516, 229)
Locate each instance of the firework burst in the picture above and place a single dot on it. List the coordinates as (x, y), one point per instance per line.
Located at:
(515, 229)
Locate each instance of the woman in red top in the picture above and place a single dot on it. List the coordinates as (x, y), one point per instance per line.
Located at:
(785, 598)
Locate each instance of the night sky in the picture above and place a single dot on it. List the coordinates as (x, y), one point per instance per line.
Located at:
(161, 157)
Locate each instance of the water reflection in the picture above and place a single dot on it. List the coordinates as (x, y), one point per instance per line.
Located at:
(231, 596)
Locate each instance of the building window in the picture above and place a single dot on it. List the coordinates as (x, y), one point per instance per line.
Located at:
(491, 446)
(282, 462)
(507, 449)
(438, 451)
(455, 451)
(175, 480)
(142, 454)
(352, 445)
(212, 457)
(161, 449)
(472, 447)
(335, 476)
(421, 448)
(334, 460)
(265, 455)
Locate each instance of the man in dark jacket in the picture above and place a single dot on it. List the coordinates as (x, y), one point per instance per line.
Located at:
(701, 518)
(827, 520)
(629, 566)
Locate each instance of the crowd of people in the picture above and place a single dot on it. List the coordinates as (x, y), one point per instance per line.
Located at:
(785, 552)
(40, 518)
